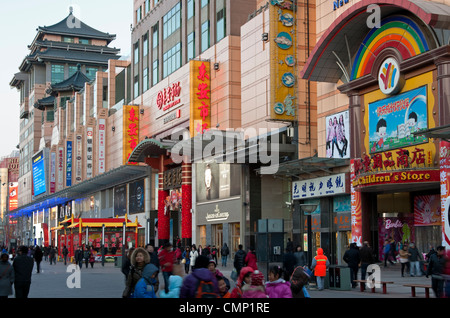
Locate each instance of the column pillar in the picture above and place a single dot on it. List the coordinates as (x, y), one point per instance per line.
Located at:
(163, 213)
(443, 83)
(186, 215)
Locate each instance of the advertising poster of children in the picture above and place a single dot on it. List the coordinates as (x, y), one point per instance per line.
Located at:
(337, 134)
(392, 121)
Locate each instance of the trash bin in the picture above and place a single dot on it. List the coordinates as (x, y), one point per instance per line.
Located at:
(117, 261)
(339, 278)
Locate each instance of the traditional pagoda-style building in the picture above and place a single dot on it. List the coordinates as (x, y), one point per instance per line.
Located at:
(62, 58)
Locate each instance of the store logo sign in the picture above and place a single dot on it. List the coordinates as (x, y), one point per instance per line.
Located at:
(389, 77)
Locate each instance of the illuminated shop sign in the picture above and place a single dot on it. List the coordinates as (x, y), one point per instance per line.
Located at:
(200, 97)
(397, 177)
(130, 130)
(39, 180)
(169, 97)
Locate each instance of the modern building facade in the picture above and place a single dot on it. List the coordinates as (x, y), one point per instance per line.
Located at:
(383, 69)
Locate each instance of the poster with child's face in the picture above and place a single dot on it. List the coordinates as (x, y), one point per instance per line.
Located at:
(393, 120)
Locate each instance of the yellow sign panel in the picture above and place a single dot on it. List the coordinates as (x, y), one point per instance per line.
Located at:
(130, 130)
(283, 66)
(389, 142)
(200, 97)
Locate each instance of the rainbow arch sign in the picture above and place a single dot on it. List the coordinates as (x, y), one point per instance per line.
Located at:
(399, 32)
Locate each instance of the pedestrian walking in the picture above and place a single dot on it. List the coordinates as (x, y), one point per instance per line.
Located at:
(6, 276)
(300, 257)
(146, 285)
(86, 256)
(277, 287)
(175, 282)
(23, 269)
(243, 279)
(214, 252)
(414, 259)
(256, 288)
(193, 254)
(366, 255)
(78, 257)
(65, 252)
(139, 258)
(436, 269)
(298, 281)
(250, 259)
(289, 262)
(387, 252)
(38, 255)
(126, 263)
(166, 259)
(404, 259)
(239, 259)
(320, 264)
(46, 251)
(153, 255)
(186, 261)
(224, 253)
(352, 258)
(91, 258)
(52, 255)
(201, 283)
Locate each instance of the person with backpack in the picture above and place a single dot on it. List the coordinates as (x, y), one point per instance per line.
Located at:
(201, 283)
(239, 259)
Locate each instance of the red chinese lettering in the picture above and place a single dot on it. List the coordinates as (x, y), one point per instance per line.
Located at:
(402, 159)
(204, 110)
(201, 128)
(203, 91)
(388, 162)
(366, 163)
(418, 156)
(132, 129)
(377, 161)
(132, 115)
(202, 72)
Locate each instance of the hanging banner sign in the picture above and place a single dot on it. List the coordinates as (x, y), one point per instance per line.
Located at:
(445, 191)
(330, 185)
(356, 209)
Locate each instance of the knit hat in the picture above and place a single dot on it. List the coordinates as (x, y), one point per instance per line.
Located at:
(257, 278)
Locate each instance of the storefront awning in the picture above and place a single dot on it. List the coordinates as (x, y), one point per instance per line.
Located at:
(310, 166)
(149, 147)
(106, 180)
(442, 132)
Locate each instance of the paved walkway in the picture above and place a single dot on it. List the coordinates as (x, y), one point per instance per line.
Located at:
(108, 282)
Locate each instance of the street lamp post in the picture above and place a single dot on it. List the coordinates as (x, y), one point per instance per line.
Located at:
(308, 209)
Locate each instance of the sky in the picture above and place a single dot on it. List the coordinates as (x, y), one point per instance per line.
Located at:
(18, 23)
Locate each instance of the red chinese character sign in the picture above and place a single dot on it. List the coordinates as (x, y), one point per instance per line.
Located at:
(356, 209)
(444, 153)
(200, 97)
(130, 130)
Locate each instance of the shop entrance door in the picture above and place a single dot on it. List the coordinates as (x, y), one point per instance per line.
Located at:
(218, 235)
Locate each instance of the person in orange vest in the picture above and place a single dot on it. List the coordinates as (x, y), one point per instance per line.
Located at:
(320, 265)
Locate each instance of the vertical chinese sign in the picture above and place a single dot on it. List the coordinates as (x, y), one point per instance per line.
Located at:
(444, 163)
(13, 195)
(130, 130)
(200, 97)
(69, 164)
(283, 61)
(356, 210)
(101, 145)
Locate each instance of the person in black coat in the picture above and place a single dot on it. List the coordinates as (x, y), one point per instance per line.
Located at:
(239, 259)
(352, 258)
(289, 262)
(38, 258)
(435, 269)
(23, 269)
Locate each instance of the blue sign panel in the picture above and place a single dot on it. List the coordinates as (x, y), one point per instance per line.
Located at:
(69, 165)
(39, 182)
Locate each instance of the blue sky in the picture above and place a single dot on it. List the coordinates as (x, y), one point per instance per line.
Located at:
(18, 23)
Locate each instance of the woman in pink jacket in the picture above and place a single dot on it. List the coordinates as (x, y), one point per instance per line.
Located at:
(277, 287)
(250, 259)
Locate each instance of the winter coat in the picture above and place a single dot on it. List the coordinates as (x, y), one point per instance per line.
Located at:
(366, 254)
(6, 278)
(239, 260)
(279, 289)
(38, 255)
(249, 291)
(300, 258)
(415, 254)
(175, 283)
(225, 250)
(136, 271)
(23, 268)
(237, 291)
(145, 287)
(351, 257)
(193, 256)
(436, 265)
(191, 281)
(320, 264)
(250, 260)
(166, 257)
(298, 281)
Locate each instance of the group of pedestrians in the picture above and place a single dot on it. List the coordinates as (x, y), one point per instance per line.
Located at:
(200, 276)
(17, 274)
